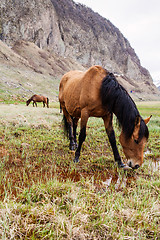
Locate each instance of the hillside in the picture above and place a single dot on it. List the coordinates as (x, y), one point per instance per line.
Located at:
(53, 37)
(26, 69)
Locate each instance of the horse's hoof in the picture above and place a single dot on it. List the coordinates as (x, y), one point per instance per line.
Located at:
(121, 165)
(124, 166)
(72, 147)
(76, 160)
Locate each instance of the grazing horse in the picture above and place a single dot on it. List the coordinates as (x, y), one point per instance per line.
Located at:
(38, 98)
(97, 93)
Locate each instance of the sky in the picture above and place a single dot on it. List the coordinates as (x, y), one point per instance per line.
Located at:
(139, 22)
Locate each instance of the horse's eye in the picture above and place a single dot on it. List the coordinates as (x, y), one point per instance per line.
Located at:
(136, 141)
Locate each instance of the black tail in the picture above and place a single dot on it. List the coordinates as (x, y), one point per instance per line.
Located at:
(66, 126)
(47, 102)
(60, 109)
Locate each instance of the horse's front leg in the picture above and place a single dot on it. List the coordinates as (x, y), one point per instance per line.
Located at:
(82, 135)
(111, 135)
(34, 103)
(43, 104)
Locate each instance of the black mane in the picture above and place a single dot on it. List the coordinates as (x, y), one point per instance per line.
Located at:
(118, 101)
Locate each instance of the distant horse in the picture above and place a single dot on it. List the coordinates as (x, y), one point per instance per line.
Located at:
(97, 93)
(38, 98)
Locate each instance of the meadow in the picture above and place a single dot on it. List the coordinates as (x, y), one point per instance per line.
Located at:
(44, 195)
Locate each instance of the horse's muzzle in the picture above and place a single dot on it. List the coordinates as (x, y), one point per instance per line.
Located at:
(130, 164)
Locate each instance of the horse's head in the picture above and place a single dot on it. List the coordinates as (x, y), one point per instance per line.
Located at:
(133, 147)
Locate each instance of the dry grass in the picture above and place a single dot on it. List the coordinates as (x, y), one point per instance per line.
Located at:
(21, 115)
(44, 195)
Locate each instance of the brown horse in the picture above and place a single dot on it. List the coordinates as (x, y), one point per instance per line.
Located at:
(97, 93)
(38, 98)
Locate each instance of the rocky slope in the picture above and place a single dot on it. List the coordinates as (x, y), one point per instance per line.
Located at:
(65, 29)
(26, 70)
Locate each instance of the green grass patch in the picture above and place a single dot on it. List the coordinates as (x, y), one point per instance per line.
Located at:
(44, 195)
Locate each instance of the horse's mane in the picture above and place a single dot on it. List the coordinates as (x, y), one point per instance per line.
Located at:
(30, 99)
(118, 101)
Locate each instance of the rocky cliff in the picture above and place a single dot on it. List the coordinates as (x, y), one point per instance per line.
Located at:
(74, 31)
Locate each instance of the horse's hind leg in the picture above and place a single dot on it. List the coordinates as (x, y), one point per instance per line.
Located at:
(75, 123)
(43, 104)
(82, 135)
(112, 139)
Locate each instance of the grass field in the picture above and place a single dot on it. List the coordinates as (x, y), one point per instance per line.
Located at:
(44, 195)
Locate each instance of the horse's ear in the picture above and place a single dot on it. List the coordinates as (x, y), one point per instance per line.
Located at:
(136, 127)
(147, 119)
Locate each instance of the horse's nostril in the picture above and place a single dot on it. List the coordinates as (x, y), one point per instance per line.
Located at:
(130, 164)
(136, 166)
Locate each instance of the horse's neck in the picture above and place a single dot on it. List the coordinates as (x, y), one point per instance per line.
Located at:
(125, 111)
(29, 100)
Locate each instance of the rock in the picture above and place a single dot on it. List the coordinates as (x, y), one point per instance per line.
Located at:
(72, 31)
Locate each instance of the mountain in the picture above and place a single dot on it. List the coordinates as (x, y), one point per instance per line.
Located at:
(26, 70)
(157, 83)
(72, 33)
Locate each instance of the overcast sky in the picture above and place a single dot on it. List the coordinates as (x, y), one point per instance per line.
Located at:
(139, 22)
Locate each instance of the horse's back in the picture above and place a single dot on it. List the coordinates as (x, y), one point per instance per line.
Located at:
(80, 89)
(69, 91)
(91, 85)
(69, 80)
(37, 98)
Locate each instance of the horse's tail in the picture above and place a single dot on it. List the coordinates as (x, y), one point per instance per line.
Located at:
(47, 102)
(65, 125)
(60, 108)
